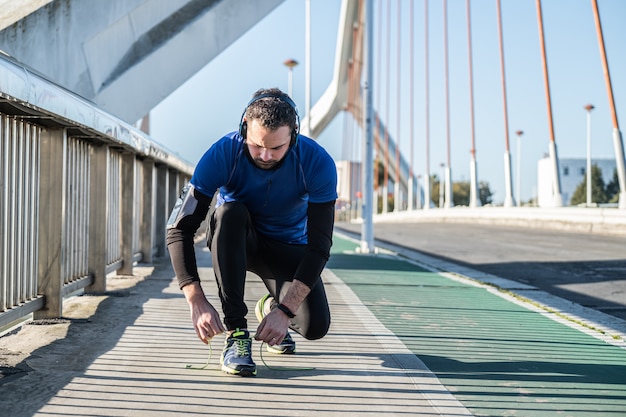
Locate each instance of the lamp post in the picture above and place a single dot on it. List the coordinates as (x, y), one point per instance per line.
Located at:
(290, 63)
(518, 172)
(588, 108)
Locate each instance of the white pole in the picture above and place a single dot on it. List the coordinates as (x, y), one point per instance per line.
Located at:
(419, 203)
(307, 68)
(589, 107)
(508, 182)
(518, 184)
(618, 143)
(411, 195)
(448, 203)
(557, 197)
(474, 197)
(290, 63)
(518, 171)
(396, 194)
(620, 161)
(367, 231)
(441, 182)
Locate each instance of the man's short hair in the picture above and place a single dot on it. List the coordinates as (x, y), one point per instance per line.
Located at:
(274, 111)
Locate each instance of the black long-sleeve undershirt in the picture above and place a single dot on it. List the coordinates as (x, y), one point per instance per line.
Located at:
(180, 242)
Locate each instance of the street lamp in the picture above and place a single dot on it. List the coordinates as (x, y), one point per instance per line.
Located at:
(290, 63)
(589, 107)
(518, 173)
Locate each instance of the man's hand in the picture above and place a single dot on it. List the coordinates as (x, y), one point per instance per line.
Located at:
(205, 319)
(273, 328)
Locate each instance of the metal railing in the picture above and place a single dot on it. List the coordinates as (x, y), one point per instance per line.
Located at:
(76, 227)
(19, 179)
(82, 195)
(114, 250)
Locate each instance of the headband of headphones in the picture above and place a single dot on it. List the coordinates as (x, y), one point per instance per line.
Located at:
(243, 125)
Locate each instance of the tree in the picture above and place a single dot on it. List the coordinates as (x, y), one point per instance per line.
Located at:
(612, 188)
(598, 191)
(379, 172)
(461, 193)
(484, 193)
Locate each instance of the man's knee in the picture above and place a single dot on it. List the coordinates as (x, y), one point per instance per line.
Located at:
(312, 324)
(317, 331)
(231, 217)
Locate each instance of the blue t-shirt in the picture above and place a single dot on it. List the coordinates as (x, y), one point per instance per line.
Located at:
(277, 199)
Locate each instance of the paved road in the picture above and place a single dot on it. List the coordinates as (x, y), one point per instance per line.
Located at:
(588, 269)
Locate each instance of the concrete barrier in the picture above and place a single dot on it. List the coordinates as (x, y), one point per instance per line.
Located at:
(611, 221)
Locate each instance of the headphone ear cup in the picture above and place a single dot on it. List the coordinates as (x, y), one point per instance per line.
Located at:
(295, 132)
(243, 129)
(294, 137)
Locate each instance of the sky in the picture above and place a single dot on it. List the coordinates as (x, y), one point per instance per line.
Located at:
(210, 103)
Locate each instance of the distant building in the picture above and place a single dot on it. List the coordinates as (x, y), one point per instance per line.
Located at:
(348, 181)
(572, 172)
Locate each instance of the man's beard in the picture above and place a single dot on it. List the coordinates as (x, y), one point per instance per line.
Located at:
(265, 164)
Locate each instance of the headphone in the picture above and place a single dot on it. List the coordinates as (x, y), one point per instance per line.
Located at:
(243, 125)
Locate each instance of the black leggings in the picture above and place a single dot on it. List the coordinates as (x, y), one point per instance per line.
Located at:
(237, 248)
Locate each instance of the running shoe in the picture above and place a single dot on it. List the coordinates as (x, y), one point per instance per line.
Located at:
(237, 354)
(287, 346)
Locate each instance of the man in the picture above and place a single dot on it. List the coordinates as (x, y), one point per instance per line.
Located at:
(273, 214)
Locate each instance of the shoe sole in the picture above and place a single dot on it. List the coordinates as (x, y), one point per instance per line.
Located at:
(280, 351)
(247, 372)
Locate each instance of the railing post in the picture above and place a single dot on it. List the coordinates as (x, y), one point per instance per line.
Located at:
(98, 167)
(173, 189)
(160, 218)
(51, 220)
(146, 229)
(127, 211)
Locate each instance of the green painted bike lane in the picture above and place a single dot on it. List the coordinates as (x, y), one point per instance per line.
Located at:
(495, 356)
